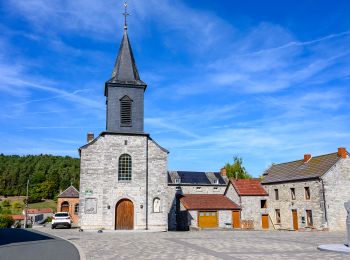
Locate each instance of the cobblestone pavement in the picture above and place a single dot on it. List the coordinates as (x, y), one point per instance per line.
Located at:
(202, 244)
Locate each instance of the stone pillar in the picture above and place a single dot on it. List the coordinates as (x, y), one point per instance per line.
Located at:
(347, 206)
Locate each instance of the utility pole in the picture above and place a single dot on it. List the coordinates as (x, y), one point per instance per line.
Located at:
(26, 208)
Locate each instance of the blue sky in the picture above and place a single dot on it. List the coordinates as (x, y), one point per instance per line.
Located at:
(264, 80)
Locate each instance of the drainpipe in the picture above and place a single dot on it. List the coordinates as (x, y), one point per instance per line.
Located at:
(147, 183)
(324, 202)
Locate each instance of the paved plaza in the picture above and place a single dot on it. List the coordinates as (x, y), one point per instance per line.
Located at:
(202, 244)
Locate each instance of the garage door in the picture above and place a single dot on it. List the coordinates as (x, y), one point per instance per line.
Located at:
(207, 219)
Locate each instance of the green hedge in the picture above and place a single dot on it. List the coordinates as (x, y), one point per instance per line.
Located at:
(6, 221)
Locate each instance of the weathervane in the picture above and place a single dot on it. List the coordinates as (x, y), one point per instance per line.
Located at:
(126, 14)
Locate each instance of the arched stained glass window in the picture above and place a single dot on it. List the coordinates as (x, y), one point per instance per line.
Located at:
(124, 168)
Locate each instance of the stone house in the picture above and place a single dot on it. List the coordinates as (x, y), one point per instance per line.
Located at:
(68, 201)
(207, 211)
(189, 182)
(309, 193)
(123, 173)
(252, 198)
(38, 216)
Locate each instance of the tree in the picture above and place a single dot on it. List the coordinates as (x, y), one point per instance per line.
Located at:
(236, 169)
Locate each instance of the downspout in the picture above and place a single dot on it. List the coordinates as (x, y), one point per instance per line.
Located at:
(147, 183)
(324, 202)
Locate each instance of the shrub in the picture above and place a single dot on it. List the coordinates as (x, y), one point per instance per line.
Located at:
(6, 221)
(48, 220)
(6, 203)
(17, 205)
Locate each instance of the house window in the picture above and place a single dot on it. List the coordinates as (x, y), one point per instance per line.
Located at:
(278, 216)
(198, 188)
(156, 205)
(65, 206)
(277, 197)
(76, 209)
(292, 193)
(177, 180)
(216, 181)
(178, 188)
(215, 188)
(125, 111)
(307, 193)
(124, 168)
(309, 220)
(263, 204)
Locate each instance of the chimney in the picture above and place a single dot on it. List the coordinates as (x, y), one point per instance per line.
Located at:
(90, 137)
(223, 171)
(307, 157)
(342, 152)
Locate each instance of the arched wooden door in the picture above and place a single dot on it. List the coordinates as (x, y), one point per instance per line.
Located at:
(65, 206)
(124, 215)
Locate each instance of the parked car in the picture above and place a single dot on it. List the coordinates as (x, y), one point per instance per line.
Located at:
(61, 219)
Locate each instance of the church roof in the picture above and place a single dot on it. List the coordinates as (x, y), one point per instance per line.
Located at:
(125, 71)
(195, 178)
(70, 192)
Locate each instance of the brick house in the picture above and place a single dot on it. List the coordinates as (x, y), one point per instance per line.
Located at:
(250, 195)
(309, 193)
(68, 201)
(207, 211)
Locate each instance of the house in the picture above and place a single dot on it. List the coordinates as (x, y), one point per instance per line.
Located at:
(252, 198)
(68, 201)
(39, 215)
(190, 182)
(207, 211)
(309, 193)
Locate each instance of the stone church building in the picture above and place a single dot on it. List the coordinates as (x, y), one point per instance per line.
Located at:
(123, 177)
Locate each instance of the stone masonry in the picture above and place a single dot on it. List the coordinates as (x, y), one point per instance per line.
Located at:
(99, 183)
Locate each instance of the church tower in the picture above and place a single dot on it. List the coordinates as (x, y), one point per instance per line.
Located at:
(125, 93)
(123, 171)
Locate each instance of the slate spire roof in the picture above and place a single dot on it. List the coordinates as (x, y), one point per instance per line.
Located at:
(125, 71)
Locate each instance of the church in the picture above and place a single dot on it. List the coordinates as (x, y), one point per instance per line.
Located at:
(123, 176)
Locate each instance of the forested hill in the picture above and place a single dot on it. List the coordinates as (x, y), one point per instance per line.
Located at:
(47, 175)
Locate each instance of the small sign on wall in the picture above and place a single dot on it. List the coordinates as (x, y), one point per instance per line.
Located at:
(90, 206)
(88, 192)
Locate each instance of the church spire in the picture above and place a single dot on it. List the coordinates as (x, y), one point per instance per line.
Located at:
(125, 70)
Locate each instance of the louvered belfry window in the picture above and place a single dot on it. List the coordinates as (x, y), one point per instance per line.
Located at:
(125, 111)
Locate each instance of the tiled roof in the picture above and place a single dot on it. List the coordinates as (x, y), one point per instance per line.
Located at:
(196, 178)
(207, 202)
(39, 211)
(249, 187)
(17, 217)
(300, 170)
(70, 192)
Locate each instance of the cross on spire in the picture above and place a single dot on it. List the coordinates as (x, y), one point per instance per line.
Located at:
(126, 14)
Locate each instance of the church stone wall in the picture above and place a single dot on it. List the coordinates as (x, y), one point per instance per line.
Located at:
(100, 188)
(337, 192)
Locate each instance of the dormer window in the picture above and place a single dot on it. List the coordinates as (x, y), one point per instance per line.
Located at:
(216, 181)
(177, 180)
(125, 111)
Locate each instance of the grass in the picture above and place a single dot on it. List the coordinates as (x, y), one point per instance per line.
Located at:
(44, 204)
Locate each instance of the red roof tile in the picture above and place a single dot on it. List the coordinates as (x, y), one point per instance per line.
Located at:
(249, 187)
(39, 211)
(207, 202)
(17, 217)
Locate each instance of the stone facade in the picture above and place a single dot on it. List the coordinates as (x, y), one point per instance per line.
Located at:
(251, 210)
(337, 191)
(173, 193)
(286, 204)
(100, 188)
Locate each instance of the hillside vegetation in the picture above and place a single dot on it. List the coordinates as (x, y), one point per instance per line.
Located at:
(47, 175)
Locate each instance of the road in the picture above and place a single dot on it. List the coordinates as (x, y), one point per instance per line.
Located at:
(18, 244)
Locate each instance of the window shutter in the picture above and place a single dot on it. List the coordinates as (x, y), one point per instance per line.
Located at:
(125, 111)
